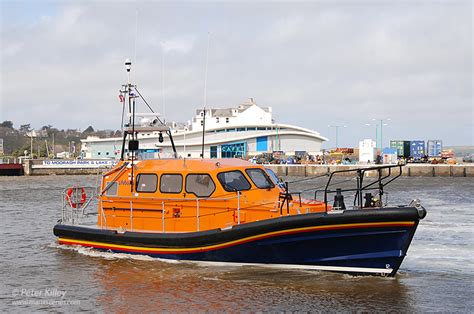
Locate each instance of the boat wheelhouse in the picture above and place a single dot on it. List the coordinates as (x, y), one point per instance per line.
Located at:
(180, 195)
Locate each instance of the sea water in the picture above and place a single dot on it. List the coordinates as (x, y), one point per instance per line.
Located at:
(39, 275)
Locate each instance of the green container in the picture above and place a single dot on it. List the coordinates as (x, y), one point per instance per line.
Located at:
(402, 147)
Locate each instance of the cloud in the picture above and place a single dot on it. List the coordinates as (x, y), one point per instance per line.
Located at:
(179, 45)
(69, 19)
(285, 29)
(315, 63)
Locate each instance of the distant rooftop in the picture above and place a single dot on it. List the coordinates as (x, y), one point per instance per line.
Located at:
(229, 112)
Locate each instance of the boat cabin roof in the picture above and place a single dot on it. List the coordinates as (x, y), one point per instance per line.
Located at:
(193, 174)
(191, 165)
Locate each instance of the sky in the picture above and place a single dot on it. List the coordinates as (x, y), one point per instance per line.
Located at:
(316, 63)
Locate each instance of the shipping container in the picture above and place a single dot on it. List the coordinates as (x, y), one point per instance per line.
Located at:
(402, 147)
(367, 151)
(417, 149)
(434, 148)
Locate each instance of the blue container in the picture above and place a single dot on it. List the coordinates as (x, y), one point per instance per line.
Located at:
(434, 148)
(417, 149)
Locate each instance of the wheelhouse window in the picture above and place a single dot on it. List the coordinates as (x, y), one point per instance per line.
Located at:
(171, 183)
(111, 189)
(260, 178)
(233, 181)
(200, 185)
(146, 183)
(275, 178)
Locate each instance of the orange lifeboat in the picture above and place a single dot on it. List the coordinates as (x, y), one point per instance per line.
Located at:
(230, 210)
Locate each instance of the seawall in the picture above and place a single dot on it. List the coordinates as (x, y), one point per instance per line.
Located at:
(81, 167)
(410, 170)
(41, 167)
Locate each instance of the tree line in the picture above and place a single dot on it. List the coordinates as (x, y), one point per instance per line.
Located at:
(46, 141)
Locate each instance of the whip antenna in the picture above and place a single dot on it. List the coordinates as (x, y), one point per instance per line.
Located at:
(205, 95)
(135, 47)
(163, 79)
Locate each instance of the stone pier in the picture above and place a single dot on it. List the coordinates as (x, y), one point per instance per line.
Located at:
(410, 170)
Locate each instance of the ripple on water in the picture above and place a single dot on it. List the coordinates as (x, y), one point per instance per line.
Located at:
(436, 275)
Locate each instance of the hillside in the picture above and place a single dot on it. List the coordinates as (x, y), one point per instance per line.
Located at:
(47, 141)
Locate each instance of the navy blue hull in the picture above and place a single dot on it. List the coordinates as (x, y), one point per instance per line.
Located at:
(346, 243)
(382, 248)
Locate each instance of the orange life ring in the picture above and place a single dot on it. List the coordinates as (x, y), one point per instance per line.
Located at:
(72, 194)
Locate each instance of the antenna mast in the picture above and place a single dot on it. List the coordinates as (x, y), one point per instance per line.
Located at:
(132, 142)
(135, 46)
(163, 79)
(205, 95)
(131, 92)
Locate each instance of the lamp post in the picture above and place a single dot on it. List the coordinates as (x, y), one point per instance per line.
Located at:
(72, 149)
(337, 131)
(376, 133)
(31, 134)
(382, 124)
(379, 123)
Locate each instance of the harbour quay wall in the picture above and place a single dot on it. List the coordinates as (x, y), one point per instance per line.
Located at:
(39, 167)
(410, 170)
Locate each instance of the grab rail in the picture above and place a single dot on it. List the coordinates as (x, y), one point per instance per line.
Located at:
(75, 201)
(72, 215)
(360, 172)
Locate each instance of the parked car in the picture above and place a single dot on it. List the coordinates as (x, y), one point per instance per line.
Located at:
(468, 158)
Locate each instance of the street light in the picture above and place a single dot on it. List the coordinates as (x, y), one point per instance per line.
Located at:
(376, 133)
(337, 130)
(377, 123)
(382, 124)
(31, 134)
(72, 148)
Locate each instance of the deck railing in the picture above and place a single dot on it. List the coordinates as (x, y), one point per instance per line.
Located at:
(75, 207)
(162, 202)
(73, 215)
(378, 184)
(76, 202)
